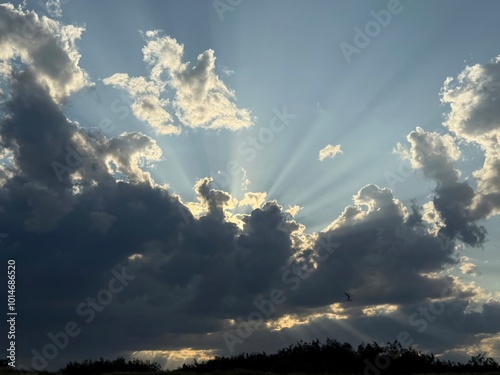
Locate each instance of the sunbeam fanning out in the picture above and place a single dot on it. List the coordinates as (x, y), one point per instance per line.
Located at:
(179, 192)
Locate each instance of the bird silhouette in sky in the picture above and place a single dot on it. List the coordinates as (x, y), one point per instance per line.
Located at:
(348, 297)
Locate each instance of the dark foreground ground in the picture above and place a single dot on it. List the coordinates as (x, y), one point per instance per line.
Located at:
(7, 371)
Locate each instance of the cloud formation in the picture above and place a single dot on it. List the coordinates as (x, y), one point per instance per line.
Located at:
(475, 117)
(435, 155)
(45, 44)
(329, 151)
(146, 105)
(201, 99)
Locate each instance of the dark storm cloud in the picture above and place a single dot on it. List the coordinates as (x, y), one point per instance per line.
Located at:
(379, 258)
(36, 133)
(70, 226)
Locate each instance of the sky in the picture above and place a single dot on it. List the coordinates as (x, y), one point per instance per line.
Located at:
(183, 179)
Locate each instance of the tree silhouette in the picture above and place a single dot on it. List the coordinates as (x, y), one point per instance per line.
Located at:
(102, 366)
(312, 357)
(335, 357)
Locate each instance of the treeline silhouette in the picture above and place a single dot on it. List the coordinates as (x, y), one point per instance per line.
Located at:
(102, 366)
(306, 357)
(336, 357)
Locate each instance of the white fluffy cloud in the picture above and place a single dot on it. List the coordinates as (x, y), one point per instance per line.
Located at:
(201, 99)
(370, 203)
(475, 117)
(434, 153)
(329, 151)
(147, 104)
(254, 200)
(128, 152)
(467, 267)
(46, 46)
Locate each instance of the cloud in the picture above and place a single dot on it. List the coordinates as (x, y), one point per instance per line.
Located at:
(381, 256)
(293, 210)
(193, 273)
(467, 267)
(254, 200)
(47, 46)
(245, 180)
(201, 99)
(435, 155)
(54, 8)
(128, 151)
(101, 222)
(474, 116)
(147, 105)
(329, 152)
